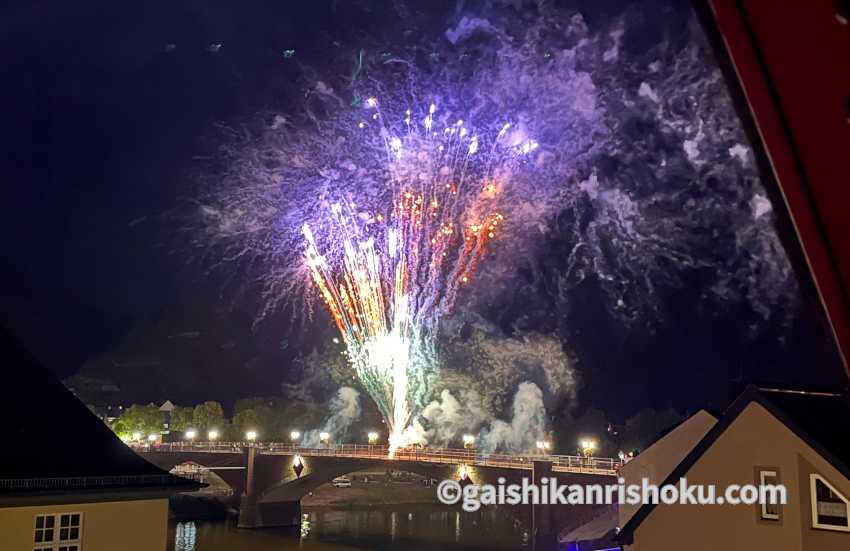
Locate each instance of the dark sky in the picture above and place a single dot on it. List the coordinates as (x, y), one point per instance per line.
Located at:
(100, 119)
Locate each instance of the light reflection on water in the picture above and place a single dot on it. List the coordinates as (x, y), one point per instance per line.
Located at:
(408, 528)
(184, 539)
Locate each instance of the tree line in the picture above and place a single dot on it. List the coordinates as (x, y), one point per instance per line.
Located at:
(272, 418)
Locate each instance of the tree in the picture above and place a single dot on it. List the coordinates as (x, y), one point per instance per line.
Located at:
(208, 415)
(646, 426)
(137, 418)
(249, 419)
(182, 418)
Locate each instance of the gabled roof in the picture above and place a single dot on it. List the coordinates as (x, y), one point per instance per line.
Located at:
(51, 434)
(166, 406)
(804, 413)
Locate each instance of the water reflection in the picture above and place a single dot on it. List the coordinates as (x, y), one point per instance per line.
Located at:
(408, 528)
(184, 539)
(305, 526)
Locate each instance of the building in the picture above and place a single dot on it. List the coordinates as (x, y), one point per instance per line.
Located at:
(167, 410)
(798, 439)
(67, 483)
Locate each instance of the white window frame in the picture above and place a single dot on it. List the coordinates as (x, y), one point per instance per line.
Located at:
(46, 545)
(813, 478)
(56, 543)
(762, 475)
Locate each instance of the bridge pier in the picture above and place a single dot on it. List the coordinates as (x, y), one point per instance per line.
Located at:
(542, 525)
(253, 514)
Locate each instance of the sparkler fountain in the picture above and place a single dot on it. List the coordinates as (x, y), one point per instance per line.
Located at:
(387, 277)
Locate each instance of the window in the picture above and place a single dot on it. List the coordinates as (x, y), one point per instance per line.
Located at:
(59, 532)
(769, 511)
(830, 509)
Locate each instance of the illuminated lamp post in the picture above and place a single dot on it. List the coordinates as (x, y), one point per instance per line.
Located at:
(373, 439)
(324, 438)
(587, 446)
(543, 446)
(297, 465)
(463, 473)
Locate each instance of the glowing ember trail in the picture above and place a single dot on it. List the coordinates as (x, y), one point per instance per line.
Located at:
(388, 277)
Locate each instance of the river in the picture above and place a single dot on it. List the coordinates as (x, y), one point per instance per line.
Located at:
(392, 528)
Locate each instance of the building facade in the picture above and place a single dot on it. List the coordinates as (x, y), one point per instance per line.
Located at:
(67, 483)
(799, 440)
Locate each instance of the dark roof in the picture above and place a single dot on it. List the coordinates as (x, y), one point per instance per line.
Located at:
(820, 419)
(50, 434)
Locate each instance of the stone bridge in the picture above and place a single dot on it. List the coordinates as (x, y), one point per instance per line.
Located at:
(272, 478)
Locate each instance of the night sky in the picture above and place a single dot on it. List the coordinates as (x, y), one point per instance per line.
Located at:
(105, 104)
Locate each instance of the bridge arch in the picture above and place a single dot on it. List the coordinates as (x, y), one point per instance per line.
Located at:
(229, 468)
(316, 471)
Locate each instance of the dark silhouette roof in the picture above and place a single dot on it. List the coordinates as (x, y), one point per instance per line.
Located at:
(50, 434)
(820, 419)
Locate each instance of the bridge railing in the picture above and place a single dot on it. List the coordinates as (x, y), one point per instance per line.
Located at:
(85, 482)
(563, 463)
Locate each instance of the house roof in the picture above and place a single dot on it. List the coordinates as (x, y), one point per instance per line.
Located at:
(820, 419)
(167, 406)
(596, 529)
(51, 434)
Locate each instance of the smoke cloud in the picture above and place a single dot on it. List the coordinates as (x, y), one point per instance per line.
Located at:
(444, 421)
(345, 410)
(526, 427)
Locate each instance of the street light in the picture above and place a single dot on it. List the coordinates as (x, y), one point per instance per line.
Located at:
(212, 435)
(137, 435)
(191, 434)
(373, 437)
(324, 437)
(588, 446)
(251, 435)
(468, 441)
(294, 436)
(152, 438)
(297, 465)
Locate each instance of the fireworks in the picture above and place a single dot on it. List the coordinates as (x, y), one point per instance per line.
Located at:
(386, 191)
(388, 277)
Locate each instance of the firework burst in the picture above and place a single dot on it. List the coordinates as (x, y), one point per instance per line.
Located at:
(389, 275)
